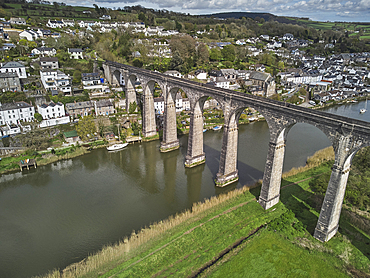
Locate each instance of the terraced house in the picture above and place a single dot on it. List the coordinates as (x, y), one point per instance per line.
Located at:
(16, 112)
(83, 108)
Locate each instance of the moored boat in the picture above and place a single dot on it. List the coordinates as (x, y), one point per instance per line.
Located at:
(117, 147)
(217, 127)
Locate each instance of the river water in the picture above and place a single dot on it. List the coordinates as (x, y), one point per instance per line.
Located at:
(57, 214)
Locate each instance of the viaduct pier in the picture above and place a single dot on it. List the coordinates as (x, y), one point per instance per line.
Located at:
(346, 135)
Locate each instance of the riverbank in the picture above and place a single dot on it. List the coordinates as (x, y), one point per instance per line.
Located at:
(224, 230)
(10, 163)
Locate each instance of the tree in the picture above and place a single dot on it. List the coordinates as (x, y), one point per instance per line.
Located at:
(137, 63)
(77, 77)
(38, 117)
(228, 53)
(101, 127)
(86, 127)
(176, 61)
(132, 107)
(215, 54)
(203, 54)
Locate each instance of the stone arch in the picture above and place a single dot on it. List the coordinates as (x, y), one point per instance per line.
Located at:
(130, 80)
(116, 77)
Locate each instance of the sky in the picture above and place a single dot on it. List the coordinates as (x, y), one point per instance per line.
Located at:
(321, 10)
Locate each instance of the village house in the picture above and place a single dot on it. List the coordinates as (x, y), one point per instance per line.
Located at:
(68, 22)
(17, 21)
(44, 51)
(229, 74)
(265, 81)
(288, 37)
(56, 80)
(90, 79)
(15, 112)
(179, 104)
(29, 35)
(16, 67)
(55, 24)
(75, 53)
(51, 110)
(10, 82)
(83, 108)
(220, 82)
(173, 73)
(49, 63)
(104, 107)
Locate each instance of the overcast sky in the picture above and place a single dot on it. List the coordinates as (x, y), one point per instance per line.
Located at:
(323, 10)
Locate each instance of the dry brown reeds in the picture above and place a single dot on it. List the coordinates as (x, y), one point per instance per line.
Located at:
(319, 157)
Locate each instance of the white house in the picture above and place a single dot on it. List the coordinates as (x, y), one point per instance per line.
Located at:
(159, 104)
(55, 24)
(29, 35)
(75, 53)
(56, 80)
(86, 24)
(68, 22)
(44, 51)
(52, 114)
(222, 82)
(49, 63)
(51, 110)
(173, 73)
(17, 21)
(288, 37)
(14, 67)
(15, 112)
(105, 17)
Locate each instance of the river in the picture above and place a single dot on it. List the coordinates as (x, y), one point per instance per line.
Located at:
(57, 214)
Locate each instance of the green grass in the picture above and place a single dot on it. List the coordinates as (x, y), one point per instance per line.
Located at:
(271, 255)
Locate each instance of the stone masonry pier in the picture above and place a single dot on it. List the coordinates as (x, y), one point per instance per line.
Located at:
(346, 135)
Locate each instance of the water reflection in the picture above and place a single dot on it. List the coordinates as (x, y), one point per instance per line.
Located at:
(194, 183)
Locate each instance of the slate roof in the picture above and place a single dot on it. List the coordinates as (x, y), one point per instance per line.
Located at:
(48, 59)
(70, 50)
(14, 105)
(13, 65)
(79, 105)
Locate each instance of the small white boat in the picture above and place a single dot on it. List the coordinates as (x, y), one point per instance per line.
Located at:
(204, 130)
(217, 127)
(363, 110)
(117, 147)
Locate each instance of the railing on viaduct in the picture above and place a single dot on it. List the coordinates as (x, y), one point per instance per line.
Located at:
(346, 135)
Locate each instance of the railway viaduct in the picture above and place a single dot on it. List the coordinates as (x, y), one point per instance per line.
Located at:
(346, 135)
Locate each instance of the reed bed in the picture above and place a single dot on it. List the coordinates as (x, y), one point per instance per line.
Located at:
(319, 157)
(128, 247)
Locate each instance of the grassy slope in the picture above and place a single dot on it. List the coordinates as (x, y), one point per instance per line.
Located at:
(270, 255)
(202, 240)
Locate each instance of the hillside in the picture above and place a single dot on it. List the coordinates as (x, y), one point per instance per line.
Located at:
(265, 16)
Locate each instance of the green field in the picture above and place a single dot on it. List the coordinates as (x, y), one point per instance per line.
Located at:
(270, 255)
